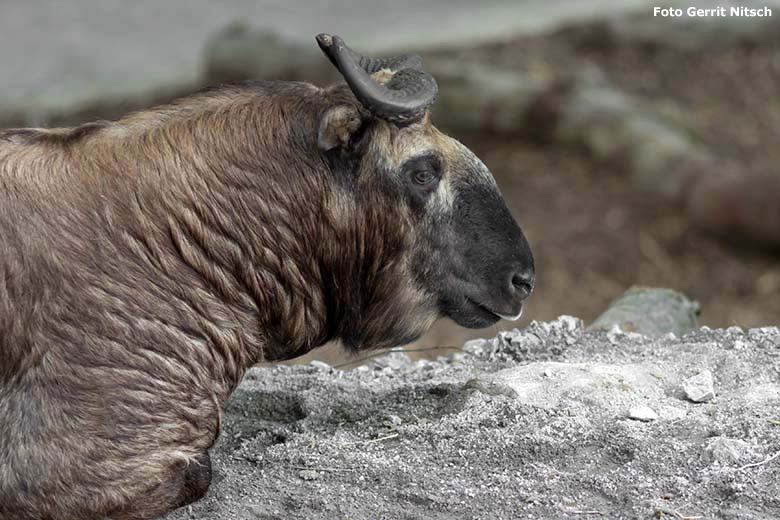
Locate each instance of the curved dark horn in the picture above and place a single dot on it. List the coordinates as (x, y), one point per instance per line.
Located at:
(403, 99)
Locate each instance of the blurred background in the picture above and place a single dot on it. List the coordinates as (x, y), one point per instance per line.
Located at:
(632, 149)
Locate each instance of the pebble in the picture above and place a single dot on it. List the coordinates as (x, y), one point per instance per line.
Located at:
(700, 388)
(319, 364)
(763, 332)
(308, 474)
(458, 357)
(728, 451)
(642, 413)
(614, 334)
(476, 346)
(570, 323)
(394, 360)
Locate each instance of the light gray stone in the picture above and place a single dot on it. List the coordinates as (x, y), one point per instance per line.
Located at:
(760, 333)
(240, 52)
(394, 360)
(726, 451)
(642, 413)
(308, 474)
(660, 156)
(606, 389)
(700, 388)
(477, 346)
(649, 311)
(475, 96)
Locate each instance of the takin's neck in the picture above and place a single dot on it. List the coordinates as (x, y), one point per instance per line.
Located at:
(239, 209)
(251, 228)
(225, 231)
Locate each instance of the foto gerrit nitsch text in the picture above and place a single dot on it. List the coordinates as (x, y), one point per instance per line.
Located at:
(711, 12)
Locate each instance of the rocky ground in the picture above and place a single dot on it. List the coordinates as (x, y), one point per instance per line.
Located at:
(552, 421)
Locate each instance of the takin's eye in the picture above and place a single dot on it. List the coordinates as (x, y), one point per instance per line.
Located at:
(424, 177)
(423, 173)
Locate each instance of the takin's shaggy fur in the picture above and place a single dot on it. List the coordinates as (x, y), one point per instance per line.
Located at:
(145, 264)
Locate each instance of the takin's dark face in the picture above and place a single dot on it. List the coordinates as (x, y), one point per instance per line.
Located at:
(467, 256)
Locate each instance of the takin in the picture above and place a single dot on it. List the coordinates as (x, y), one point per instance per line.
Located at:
(146, 264)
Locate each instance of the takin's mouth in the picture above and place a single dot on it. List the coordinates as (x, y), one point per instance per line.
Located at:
(474, 315)
(497, 314)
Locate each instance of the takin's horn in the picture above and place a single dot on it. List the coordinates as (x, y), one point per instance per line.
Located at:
(403, 99)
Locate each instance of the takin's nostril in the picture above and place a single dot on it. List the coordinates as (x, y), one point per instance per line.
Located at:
(523, 283)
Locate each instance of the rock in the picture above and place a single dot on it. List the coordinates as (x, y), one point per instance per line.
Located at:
(526, 344)
(308, 474)
(457, 357)
(650, 311)
(762, 333)
(255, 511)
(395, 360)
(474, 96)
(604, 389)
(569, 324)
(477, 347)
(662, 158)
(316, 363)
(642, 413)
(240, 52)
(726, 451)
(700, 388)
(659, 156)
(684, 34)
(615, 334)
(751, 199)
(490, 388)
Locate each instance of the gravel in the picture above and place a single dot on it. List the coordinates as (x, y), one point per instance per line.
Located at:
(531, 424)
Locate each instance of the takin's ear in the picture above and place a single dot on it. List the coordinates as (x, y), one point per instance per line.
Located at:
(337, 125)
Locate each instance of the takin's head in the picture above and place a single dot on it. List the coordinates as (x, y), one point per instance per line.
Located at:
(464, 255)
